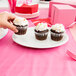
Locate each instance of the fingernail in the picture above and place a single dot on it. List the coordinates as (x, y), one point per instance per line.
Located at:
(16, 30)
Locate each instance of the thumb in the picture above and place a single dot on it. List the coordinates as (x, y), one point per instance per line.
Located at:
(11, 27)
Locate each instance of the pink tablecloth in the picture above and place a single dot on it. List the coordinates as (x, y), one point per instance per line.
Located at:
(16, 60)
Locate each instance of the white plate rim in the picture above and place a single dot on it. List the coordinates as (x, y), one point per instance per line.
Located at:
(40, 47)
(25, 14)
(34, 15)
(6, 31)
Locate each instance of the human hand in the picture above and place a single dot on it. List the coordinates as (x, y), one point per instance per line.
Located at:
(5, 19)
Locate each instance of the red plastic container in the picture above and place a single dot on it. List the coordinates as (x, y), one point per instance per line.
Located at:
(27, 9)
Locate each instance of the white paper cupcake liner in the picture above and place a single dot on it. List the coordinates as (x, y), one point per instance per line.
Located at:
(56, 35)
(41, 34)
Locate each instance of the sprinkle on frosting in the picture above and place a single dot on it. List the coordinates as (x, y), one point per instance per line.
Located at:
(41, 27)
(58, 28)
(20, 21)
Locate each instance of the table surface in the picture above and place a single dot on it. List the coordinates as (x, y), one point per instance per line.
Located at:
(16, 60)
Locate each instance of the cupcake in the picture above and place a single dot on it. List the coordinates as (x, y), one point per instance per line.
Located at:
(57, 32)
(21, 24)
(41, 31)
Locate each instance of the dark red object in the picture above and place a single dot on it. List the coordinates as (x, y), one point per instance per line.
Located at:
(44, 20)
(27, 9)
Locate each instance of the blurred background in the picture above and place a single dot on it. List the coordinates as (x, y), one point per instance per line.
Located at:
(42, 3)
(4, 3)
